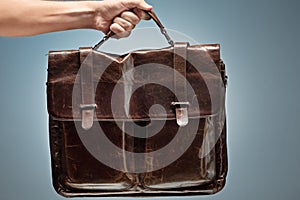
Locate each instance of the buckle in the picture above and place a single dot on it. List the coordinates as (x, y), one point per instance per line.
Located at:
(87, 112)
(182, 117)
(88, 106)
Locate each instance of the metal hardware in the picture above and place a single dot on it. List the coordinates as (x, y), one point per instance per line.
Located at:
(88, 106)
(165, 33)
(180, 104)
(181, 112)
(104, 39)
(156, 20)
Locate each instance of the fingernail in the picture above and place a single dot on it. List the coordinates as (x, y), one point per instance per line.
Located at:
(149, 9)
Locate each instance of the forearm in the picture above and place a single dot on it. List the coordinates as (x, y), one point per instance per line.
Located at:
(32, 17)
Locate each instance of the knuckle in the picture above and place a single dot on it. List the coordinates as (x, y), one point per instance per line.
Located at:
(125, 14)
(116, 20)
(128, 26)
(136, 20)
(116, 28)
(130, 16)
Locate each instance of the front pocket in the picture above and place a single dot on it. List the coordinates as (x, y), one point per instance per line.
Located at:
(83, 170)
(196, 166)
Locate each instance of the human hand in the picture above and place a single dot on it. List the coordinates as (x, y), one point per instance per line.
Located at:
(120, 16)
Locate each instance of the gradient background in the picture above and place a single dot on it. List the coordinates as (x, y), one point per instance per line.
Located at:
(260, 46)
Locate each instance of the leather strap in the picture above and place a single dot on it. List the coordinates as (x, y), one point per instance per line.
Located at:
(180, 50)
(180, 55)
(153, 16)
(88, 105)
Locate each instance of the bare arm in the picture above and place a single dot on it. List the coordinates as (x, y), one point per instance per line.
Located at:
(32, 17)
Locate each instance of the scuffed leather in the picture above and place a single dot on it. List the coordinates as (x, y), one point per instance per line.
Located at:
(64, 66)
(77, 173)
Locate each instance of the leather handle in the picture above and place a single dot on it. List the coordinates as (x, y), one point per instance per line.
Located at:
(154, 17)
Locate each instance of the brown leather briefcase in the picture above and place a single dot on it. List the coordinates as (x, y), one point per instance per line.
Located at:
(148, 123)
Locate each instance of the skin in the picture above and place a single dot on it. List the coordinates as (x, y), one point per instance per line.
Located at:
(33, 17)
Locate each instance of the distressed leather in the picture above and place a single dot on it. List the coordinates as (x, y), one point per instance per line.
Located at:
(78, 173)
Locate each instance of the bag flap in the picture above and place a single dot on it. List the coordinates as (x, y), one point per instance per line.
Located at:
(127, 86)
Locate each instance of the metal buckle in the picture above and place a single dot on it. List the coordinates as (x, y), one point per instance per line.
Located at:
(182, 117)
(88, 106)
(87, 112)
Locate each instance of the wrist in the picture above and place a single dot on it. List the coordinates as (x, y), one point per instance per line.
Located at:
(97, 10)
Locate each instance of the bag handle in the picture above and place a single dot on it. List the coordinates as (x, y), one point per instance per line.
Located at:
(153, 16)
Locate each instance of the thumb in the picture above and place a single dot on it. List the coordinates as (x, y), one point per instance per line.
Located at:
(141, 4)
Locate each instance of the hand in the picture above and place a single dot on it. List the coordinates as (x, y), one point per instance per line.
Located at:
(120, 16)
(37, 17)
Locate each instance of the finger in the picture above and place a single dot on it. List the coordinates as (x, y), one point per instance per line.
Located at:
(124, 23)
(119, 31)
(130, 17)
(117, 28)
(141, 14)
(141, 4)
(122, 35)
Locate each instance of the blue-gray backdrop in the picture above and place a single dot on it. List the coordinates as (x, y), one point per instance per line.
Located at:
(260, 45)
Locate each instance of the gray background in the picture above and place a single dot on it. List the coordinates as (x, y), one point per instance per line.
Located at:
(260, 45)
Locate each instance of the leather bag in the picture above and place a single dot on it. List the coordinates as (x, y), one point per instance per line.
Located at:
(148, 123)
